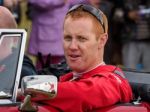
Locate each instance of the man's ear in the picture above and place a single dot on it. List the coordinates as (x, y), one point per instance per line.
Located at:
(102, 40)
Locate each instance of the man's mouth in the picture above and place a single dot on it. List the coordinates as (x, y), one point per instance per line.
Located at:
(74, 57)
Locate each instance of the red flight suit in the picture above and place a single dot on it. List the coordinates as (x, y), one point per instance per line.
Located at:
(97, 88)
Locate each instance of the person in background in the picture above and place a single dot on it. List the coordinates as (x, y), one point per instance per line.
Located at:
(7, 20)
(135, 35)
(47, 18)
(92, 84)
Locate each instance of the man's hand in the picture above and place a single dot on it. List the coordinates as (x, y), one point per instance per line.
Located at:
(134, 15)
(20, 95)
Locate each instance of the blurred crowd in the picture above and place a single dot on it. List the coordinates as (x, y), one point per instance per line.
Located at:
(129, 26)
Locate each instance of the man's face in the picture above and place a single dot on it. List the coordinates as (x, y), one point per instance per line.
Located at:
(82, 49)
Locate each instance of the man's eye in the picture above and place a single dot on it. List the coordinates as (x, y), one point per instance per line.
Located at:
(67, 38)
(82, 39)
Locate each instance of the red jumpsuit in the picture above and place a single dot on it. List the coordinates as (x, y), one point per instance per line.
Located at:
(95, 89)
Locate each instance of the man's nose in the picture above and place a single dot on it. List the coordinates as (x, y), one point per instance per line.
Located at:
(73, 44)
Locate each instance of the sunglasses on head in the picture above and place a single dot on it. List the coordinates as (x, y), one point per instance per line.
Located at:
(92, 10)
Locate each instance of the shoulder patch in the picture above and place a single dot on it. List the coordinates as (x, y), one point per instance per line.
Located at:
(119, 73)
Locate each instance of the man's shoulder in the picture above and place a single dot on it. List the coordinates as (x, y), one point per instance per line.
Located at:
(102, 71)
(112, 69)
(107, 70)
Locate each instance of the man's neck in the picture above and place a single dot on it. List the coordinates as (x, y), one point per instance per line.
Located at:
(76, 74)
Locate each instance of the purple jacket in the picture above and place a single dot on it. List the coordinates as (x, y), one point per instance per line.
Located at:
(47, 25)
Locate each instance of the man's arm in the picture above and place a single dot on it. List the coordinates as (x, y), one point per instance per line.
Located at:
(87, 94)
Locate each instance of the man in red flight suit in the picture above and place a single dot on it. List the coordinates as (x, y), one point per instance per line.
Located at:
(92, 84)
